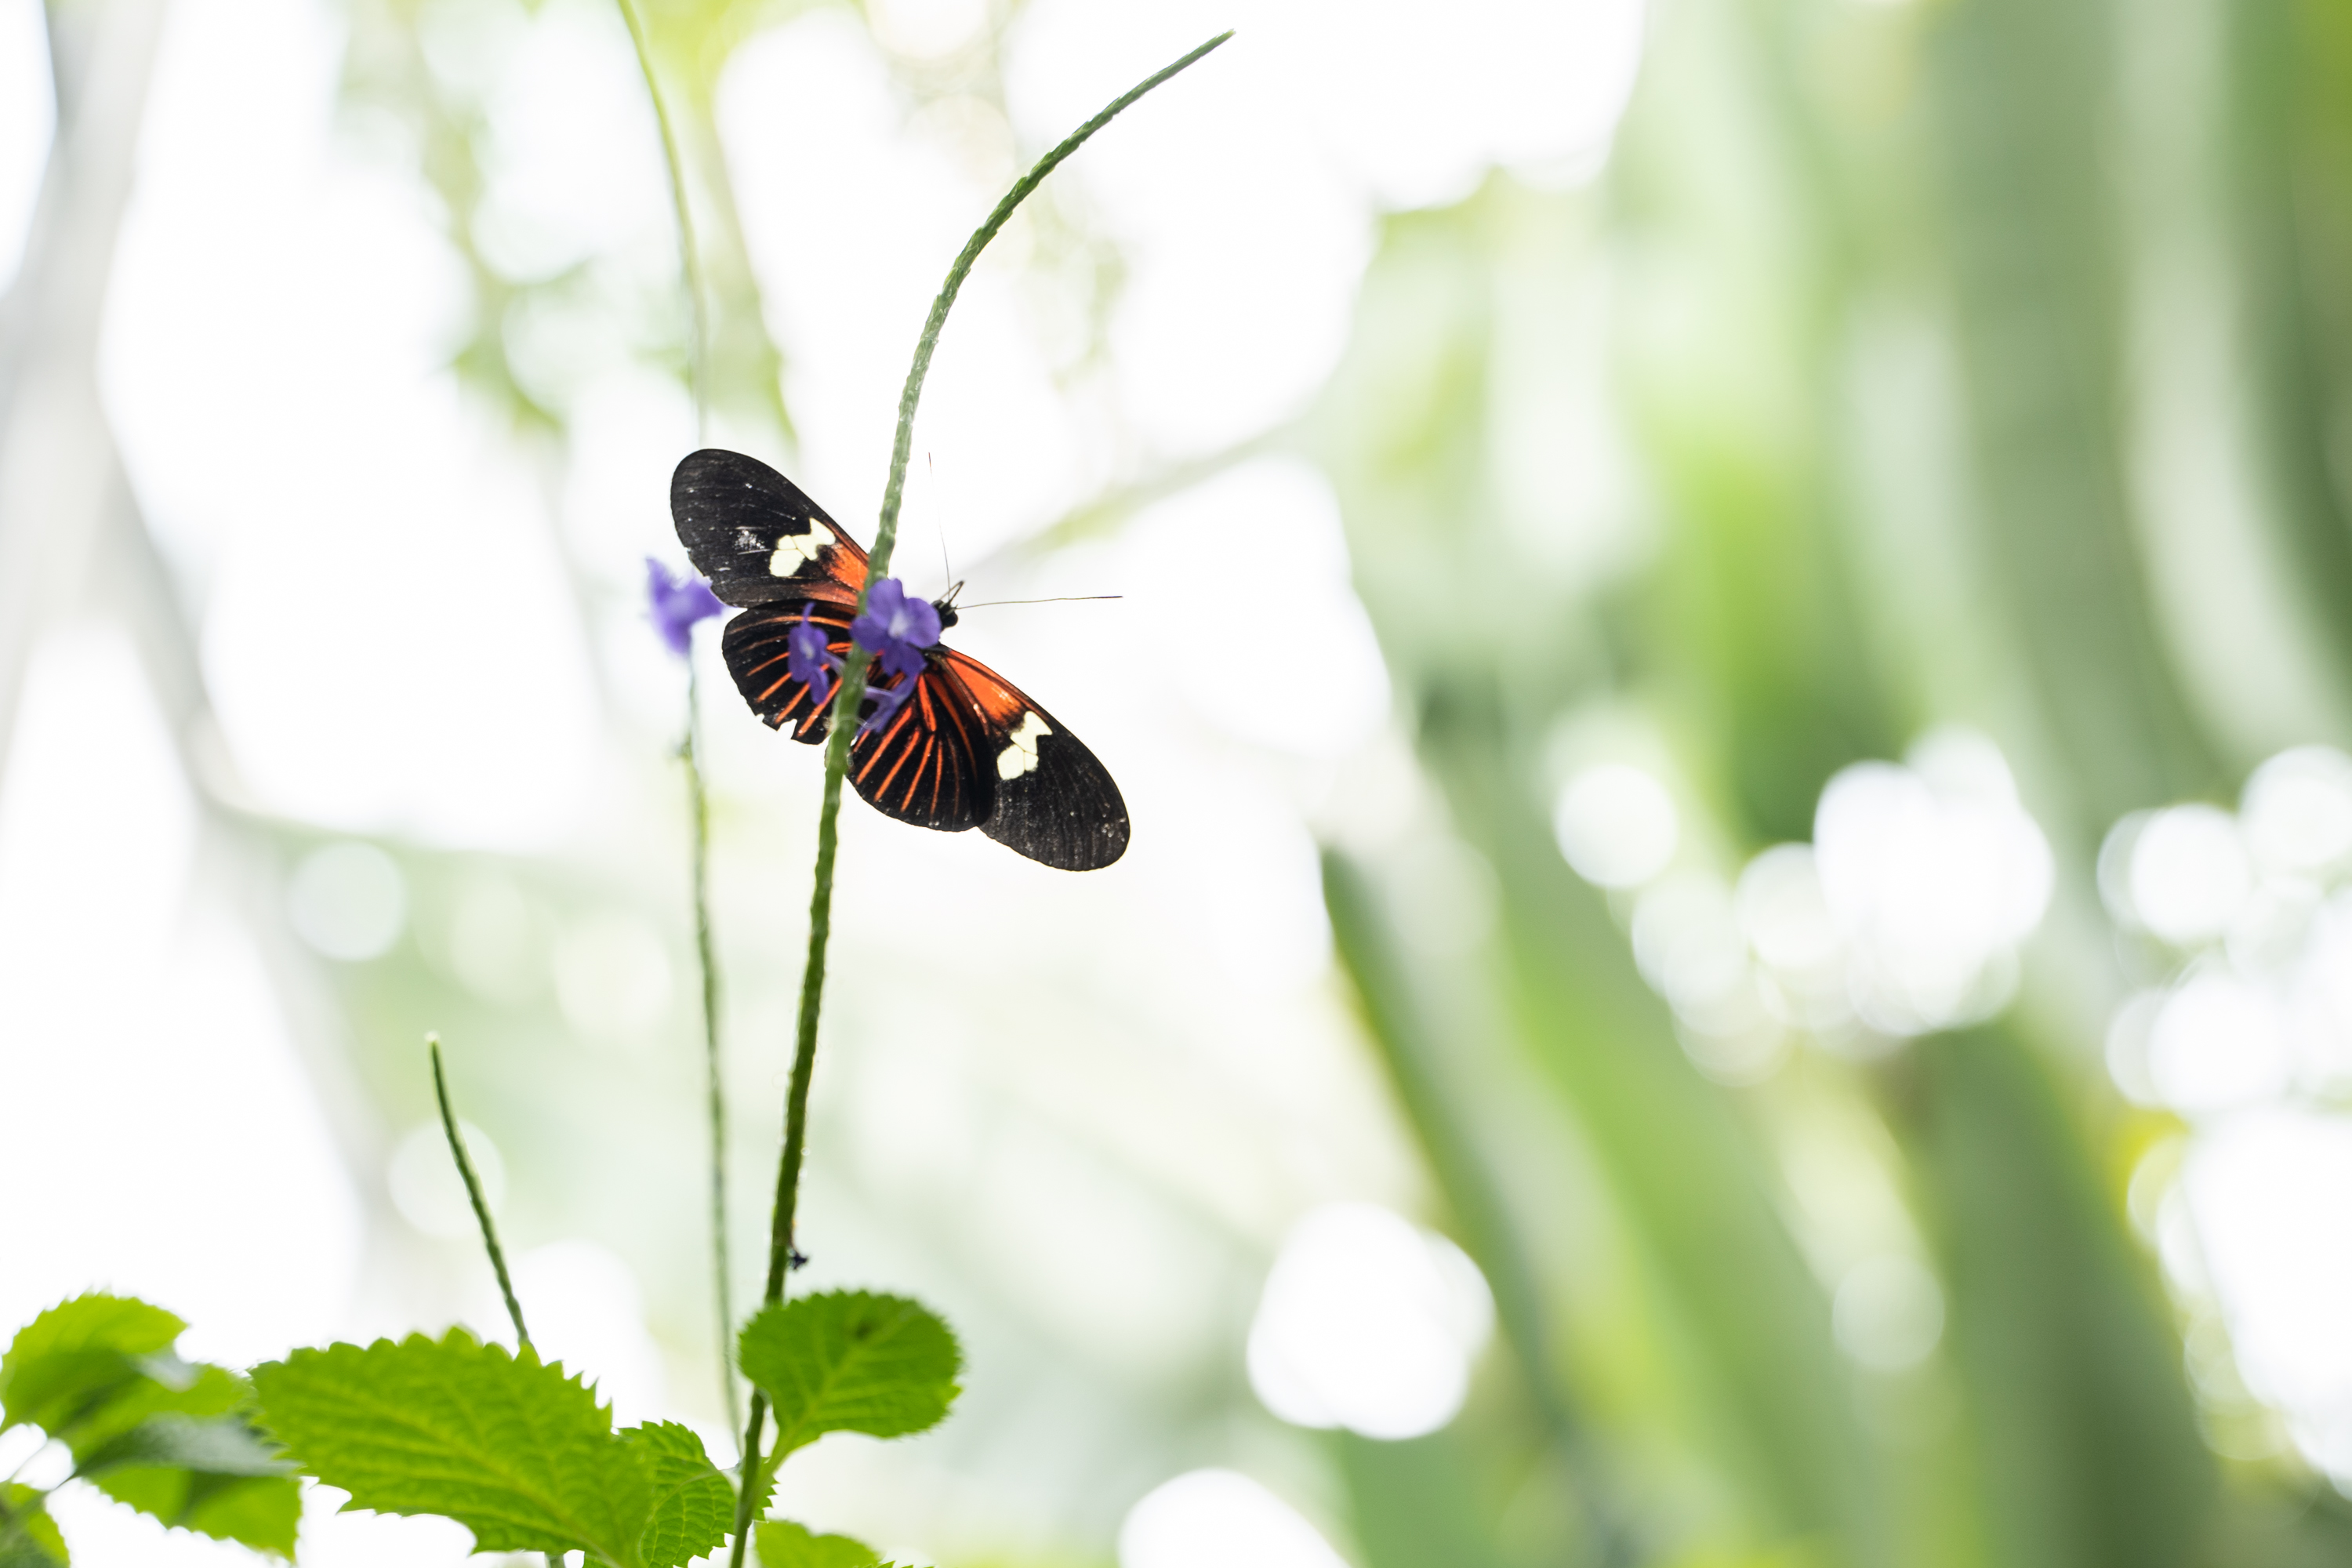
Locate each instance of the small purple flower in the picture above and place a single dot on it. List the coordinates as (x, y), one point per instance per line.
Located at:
(897, 629)
(676, 604)
(809, 659)
(886, 704)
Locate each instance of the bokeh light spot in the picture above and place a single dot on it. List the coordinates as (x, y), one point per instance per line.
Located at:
(2267, 1190)
(1616, 824)
(1219, 1517)
(1368, 1322)
(1933, 873)
(347, 902)
(2296, 810)
(2218, 1042)
(2188, 874)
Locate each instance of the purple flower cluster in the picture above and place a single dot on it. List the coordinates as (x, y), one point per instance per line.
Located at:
(895, 628)
(675, 604)
(809, 660)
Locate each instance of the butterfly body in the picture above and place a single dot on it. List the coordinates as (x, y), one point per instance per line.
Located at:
(964, 748)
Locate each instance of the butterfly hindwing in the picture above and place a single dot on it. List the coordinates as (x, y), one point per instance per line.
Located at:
(921, 765)
(757, 656)
(1055, 802)
(757, 539)
(927, 763)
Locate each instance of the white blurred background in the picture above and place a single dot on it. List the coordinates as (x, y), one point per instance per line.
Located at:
(343, 364)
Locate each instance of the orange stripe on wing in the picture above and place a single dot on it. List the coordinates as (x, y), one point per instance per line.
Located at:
(913, 749)
(998, 702)
(935, 753)
(881, 746)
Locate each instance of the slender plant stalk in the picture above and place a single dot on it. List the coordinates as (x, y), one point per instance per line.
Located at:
(697, 358)
(689, 254)
(699, 801)
(886, 532)
(843, 722)
(481, 1213)
(473, 1192)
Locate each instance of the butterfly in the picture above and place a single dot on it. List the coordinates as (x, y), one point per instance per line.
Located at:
(964, 749)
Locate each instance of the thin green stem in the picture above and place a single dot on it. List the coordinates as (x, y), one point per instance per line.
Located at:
(697, 368)
(689, 255)
(481, 1213)
(699, 802)
(844, 725)
(473, 1192)
(885, 532)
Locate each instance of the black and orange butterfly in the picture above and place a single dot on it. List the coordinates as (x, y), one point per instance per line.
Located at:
(966, 748)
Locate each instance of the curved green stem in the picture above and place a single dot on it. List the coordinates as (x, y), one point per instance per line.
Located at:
(886, 532)
(474, 1193)
(844, 726)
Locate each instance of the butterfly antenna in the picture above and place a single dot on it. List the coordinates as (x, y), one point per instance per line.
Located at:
(1056, 599)
(947, 573)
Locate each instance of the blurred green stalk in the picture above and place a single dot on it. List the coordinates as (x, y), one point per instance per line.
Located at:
(690, 262)
(689, 254)
(721, 1272)
(1398, 1024)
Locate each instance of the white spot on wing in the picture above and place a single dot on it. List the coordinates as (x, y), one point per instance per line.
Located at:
(794, 551)
(1020, 753)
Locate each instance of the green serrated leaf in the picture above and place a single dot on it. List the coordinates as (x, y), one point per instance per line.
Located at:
(259, 1512)
(151, 1430)
(694, 1506)
(783, 1544)
(218, 1477)
(850, 1362)
(515, 1451)
(91, 1369)
(78, 1355)
(222, 1445)
(28, 1536)
(164, 1387)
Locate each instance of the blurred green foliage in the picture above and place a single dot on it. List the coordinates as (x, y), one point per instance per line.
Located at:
(1890, 299)
(1803, 195)
(439, 96)
(175, 1439)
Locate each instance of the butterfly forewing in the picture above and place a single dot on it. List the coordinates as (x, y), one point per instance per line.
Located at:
(757, 539)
